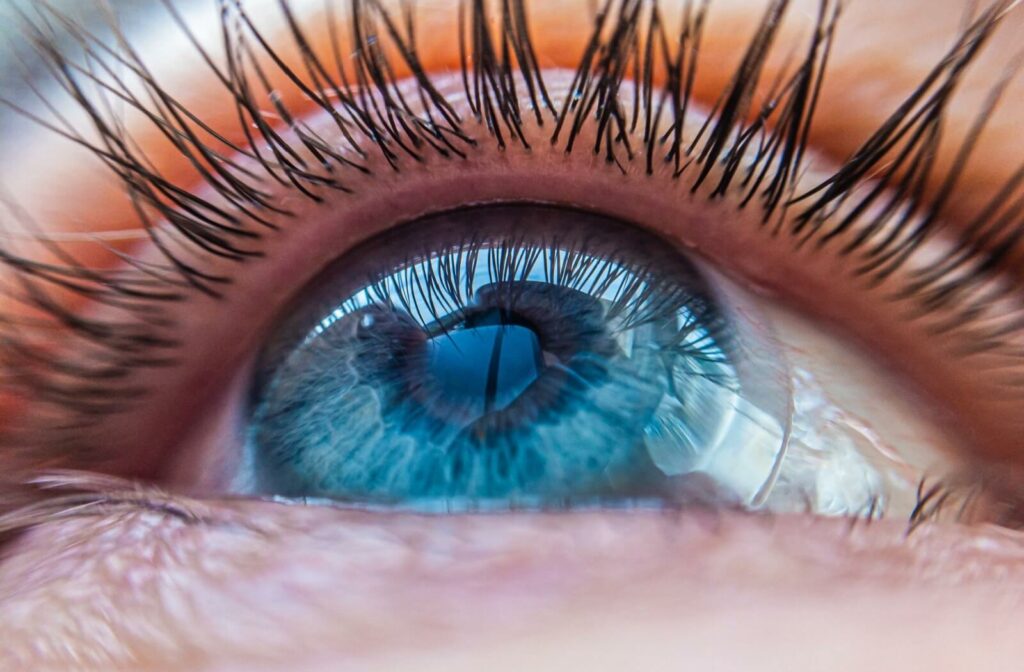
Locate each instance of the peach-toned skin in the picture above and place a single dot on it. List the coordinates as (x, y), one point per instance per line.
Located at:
(261, 586)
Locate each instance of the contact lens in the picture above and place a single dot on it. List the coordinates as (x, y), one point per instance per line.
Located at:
(513, 355)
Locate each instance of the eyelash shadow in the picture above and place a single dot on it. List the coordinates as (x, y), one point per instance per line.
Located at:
(874, 203)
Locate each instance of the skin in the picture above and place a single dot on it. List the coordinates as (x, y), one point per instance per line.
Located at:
(245, 585)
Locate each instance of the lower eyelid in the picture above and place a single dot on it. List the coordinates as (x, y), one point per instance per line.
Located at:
(409, 580)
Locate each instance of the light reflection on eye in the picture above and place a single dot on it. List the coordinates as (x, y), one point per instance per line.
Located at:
(517, 355)
(531, 356)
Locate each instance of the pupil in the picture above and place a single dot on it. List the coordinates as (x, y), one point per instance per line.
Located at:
(486, 363)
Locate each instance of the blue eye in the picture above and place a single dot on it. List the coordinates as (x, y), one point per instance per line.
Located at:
(512, 355)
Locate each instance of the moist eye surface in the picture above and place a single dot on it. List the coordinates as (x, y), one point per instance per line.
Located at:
(506, 355)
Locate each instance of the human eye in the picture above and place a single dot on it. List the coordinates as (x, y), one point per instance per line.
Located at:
(574, 275)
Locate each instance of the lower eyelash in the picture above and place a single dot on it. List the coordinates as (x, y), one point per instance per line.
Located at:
(62, 494)
(752, 152)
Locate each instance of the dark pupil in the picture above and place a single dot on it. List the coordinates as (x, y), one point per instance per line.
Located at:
(487, 362)
(466, 366)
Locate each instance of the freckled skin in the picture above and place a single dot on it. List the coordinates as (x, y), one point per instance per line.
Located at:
(311, 588)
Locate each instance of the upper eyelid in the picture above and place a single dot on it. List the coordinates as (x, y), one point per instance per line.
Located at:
(767, 76)
(952, 207)
(726, 130)
(562, 51)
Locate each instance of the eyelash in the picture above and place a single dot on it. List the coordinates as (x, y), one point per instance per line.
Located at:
(60, 494)
(874, 201)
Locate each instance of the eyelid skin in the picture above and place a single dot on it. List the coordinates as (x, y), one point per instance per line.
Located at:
(870, 74)
(261, 583)
(853, 102)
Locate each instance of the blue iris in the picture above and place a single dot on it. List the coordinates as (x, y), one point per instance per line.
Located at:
(464, 365)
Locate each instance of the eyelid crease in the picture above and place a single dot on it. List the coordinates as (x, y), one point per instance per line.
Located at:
(412, 131)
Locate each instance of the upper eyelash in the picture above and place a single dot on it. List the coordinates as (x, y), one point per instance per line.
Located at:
(756, 154)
